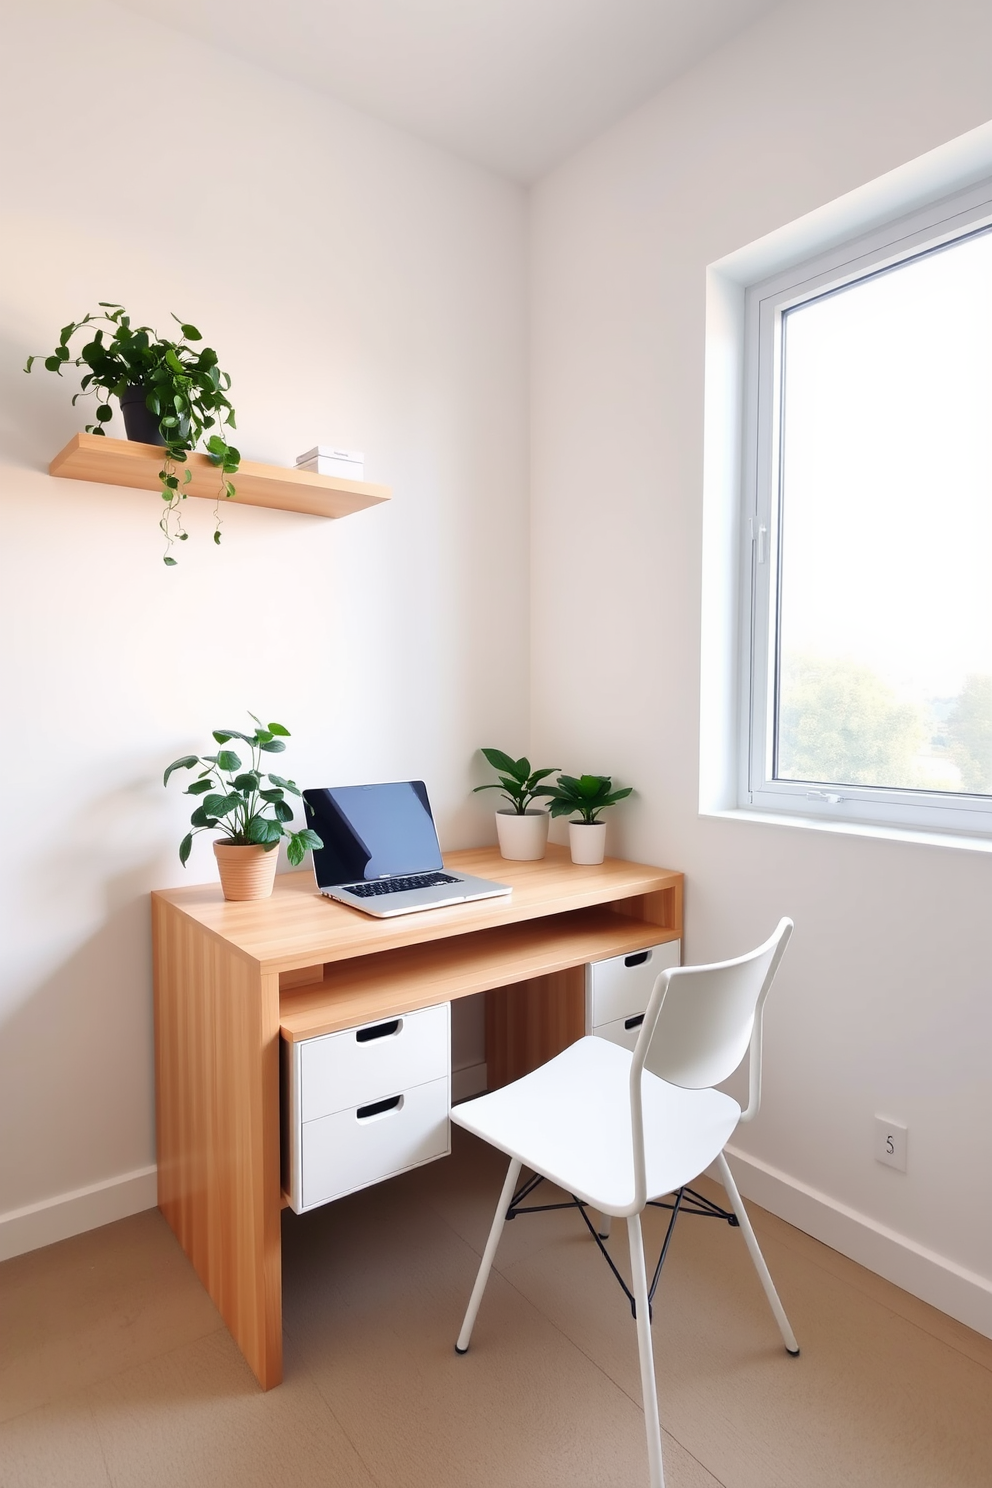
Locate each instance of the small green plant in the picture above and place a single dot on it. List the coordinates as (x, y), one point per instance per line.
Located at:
(588, 795)
(234, 798)
(184, 390)
(519, 783)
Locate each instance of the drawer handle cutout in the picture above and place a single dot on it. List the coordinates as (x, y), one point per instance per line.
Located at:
(379, 1108)
(637, 958)
(381, 1030)
(634, 1022)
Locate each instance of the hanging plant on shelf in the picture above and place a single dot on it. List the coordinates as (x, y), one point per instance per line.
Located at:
(170, 394)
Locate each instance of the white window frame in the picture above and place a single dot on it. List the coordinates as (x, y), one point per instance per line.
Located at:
(933, 226)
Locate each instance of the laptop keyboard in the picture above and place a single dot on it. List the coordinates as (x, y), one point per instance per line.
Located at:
(399, 885)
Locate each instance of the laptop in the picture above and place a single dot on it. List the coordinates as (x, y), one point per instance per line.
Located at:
(381, 854)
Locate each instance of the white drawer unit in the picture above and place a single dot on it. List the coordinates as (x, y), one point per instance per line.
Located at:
(364, 1104)
(617, 990)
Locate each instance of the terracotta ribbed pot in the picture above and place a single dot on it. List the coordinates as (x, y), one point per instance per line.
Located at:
(245, 872)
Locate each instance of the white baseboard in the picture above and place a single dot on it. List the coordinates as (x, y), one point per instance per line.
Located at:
(72, 1213)
(468, 1082)
(961, 1293)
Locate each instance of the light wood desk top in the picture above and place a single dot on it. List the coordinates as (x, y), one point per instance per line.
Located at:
(299, 927)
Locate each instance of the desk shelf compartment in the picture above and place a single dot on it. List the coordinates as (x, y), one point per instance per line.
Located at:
(414, 976)
(364, 1104)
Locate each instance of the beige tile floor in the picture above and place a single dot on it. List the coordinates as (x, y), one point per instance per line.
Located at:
(115, 1369)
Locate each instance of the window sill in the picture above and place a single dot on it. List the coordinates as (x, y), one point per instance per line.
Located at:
(970, 842)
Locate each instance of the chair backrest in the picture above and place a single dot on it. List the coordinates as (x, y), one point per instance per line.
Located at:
(700, 1022)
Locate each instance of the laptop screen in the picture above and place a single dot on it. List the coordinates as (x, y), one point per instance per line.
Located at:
(372, 831)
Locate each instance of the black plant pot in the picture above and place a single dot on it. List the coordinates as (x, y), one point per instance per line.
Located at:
(140, 424)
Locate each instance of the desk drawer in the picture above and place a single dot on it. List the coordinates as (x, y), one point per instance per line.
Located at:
(351, 1149)
(620, 1032)
(360, 1065)
(617, 990)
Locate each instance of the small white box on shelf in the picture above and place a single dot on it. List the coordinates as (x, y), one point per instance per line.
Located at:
(327, 459)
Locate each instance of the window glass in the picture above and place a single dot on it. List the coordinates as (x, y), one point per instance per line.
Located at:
(882, 652)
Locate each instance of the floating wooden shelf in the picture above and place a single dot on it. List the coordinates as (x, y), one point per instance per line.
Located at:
(123, 462)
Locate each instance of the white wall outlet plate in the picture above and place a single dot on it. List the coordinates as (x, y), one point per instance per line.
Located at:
(891, 1140)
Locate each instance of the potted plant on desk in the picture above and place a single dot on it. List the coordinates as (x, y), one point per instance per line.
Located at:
(587, 795)
(522, 829)
(254, 816)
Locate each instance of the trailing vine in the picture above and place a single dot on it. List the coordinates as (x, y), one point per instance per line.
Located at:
(185, 391)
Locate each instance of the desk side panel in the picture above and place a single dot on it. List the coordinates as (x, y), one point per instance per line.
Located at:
(217, 1107)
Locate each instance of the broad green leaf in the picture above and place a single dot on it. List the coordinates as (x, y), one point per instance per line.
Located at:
(289, 785)
(221, 805)
(249, 781)
(170, 562)
(186, 763)
(298, 844)
(283, 810)
(202, 818)
(271, 795)
(615, 796)
(191, 333)
(499, 760)
(277, 728)
(228, 760)
(272, 746)
(184, 848)
(198, 787)
(263, 831)
(590, 785)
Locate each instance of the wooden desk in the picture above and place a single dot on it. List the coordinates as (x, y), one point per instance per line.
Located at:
(230, 976)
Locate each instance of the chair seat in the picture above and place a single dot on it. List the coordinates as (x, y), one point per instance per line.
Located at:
(570, 1122)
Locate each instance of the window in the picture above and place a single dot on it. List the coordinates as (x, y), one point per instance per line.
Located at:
(868, 532)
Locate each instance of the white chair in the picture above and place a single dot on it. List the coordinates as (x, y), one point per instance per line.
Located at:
(617, 1129)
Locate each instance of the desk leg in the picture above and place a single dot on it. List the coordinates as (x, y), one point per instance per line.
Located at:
(217, 1107)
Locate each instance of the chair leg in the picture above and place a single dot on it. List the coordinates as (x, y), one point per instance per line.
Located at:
(737, 1204)
(513, 1173)
(649, 1391)
(603, 1228)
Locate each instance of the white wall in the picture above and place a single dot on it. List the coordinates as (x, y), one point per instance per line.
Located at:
(361, 287)
(884, 1002)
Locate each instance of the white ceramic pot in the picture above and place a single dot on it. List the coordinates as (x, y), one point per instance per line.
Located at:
(246, 872)
(587, 841)
(522, 838)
